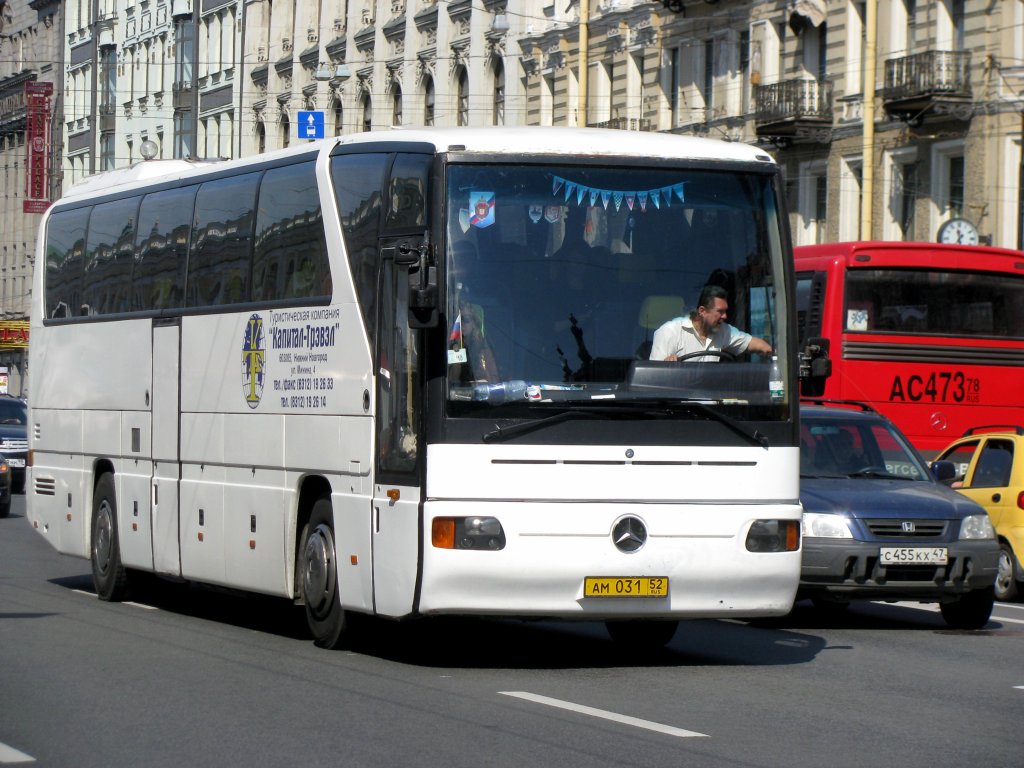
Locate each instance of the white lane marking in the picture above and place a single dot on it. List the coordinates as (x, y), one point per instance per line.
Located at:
(934, 607)
(625, 719)
(125, 602)
(11, 755)
(1019, 687)
(140, 605)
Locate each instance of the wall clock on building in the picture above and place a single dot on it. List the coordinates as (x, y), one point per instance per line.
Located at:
(958, 232)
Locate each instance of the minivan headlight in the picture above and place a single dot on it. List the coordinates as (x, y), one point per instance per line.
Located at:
(825, 526)
(977, 527)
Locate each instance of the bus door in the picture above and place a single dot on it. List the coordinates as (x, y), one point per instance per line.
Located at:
(166, 460)
(395, 523)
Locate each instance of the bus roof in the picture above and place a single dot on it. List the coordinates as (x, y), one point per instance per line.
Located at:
(880, 253)
(527, 140)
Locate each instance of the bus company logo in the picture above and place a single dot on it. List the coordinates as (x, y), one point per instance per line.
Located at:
(254, 356)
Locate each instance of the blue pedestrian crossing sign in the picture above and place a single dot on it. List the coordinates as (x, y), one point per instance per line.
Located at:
(311, 125)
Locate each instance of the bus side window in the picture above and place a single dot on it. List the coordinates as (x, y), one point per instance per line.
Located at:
(108, 260)
(161, 248)
(65, 255)
(358, 180)
(290, 229)
(218, 265)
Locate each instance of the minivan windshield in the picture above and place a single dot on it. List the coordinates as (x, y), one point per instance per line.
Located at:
(558, 278)
(856, 448)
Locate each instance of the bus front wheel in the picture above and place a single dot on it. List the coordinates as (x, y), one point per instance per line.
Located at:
(108, 573)
(319, 572)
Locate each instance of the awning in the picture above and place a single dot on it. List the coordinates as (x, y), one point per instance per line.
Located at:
(804, 12)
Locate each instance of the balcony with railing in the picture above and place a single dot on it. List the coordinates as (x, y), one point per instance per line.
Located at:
(926, 83)
(800, 108)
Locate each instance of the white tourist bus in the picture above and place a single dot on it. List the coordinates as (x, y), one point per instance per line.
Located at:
(405, 373)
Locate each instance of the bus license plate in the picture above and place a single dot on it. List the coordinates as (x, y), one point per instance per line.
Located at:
(625, 586)
(913, 556)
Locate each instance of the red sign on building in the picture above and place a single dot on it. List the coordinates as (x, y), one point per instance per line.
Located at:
(37, 143)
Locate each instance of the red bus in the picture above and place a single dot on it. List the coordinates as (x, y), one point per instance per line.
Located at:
(930, 335)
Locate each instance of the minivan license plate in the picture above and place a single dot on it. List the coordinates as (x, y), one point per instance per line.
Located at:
(913, 556)
(625, 586)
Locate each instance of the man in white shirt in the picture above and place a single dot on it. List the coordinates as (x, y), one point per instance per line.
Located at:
(705, 330)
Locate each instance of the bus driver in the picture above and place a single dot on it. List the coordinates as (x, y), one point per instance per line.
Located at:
(705, 330)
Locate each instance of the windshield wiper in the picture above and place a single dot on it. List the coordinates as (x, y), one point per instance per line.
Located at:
(876, 472)
(500, 434)
(627, 410)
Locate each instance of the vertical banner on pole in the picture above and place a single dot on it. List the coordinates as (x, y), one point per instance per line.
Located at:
(37, 146)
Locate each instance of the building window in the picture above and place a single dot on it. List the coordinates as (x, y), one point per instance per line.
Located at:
(261, 137)
(338, 118)
(428, 101)
(286, 131)
(463, 98)
(955, 202)
(708, 89)
(184, 52)
(107, 159)
(184, 134)
(367, 114)
(108, 69)
(498, 114)
(396, 105)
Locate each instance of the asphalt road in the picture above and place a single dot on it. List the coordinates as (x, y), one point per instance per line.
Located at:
(197, 677)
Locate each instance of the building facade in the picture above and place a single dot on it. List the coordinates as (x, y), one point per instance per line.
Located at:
(31, 81)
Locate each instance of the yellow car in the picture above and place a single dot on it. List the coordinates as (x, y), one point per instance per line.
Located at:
(988, 466)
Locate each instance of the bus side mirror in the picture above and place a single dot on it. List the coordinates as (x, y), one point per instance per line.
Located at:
(815, 367)
(423, 312)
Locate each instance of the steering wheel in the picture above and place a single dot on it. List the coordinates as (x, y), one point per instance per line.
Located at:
(727, 356)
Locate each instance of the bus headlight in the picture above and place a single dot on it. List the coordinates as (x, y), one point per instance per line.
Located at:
(977, 527)
(467, 533)
(774, 536)
(825, 526)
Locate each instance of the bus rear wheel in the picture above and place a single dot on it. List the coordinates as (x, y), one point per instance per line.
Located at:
(319, 574)
(642, 635)
(108, 573)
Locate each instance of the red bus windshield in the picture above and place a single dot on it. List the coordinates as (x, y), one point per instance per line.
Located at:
(930, 335)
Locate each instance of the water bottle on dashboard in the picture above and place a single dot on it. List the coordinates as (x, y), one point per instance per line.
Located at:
(500, 392)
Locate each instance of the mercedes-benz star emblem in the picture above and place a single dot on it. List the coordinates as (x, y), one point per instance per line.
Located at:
(629, 534)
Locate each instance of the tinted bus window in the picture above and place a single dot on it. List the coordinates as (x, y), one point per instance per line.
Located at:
(358, 180)
(933, 301)
(218, 264)
(108, 259)
(65, 256)
(407, 193)
(165, 220)
(290, 257)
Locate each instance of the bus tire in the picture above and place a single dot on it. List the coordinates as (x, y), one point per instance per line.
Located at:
(642, 635)
(108, 573)
(971, 611)
(1007, 586)
(319, 573)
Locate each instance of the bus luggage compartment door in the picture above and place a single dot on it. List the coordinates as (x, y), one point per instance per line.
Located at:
(166, 467)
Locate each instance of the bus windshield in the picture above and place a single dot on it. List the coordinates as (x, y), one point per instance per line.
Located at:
(558, 278)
